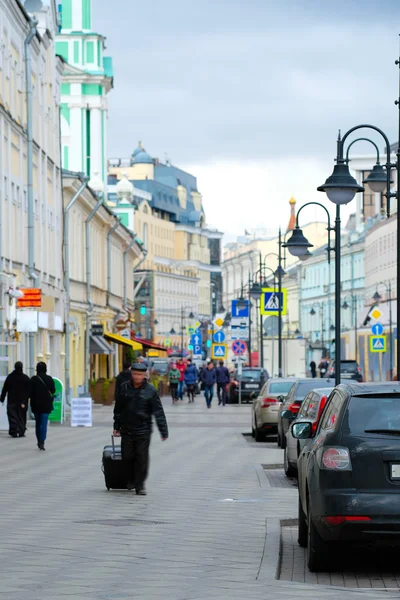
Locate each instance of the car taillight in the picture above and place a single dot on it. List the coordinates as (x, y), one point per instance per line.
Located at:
(320, 411)
(267, 402)
(294, 407)
(336, 459)
(339, 520)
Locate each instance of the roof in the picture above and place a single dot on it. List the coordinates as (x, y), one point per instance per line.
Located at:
(371, 388)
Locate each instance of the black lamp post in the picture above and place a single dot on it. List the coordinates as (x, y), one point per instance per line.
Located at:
(298, 246)
(341, 188)
(256, 291)
(346, 306)
(378, 298)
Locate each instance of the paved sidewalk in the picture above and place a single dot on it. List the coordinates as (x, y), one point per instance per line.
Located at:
(199, 534)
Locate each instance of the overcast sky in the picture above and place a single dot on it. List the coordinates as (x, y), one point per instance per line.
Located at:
(249, 94)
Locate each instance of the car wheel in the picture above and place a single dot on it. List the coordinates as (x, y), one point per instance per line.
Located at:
(302, 538)
(260, 437)
(317, 549)
(290, 471)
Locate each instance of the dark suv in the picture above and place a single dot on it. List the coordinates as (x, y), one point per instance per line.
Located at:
(349, 473)
(251, 382)
(349, 369)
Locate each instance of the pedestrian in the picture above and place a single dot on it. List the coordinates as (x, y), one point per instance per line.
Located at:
(125, 375)
(136, 404)
(223, 379)
(42, 392)
(209, 378)
(190, 379)
(323, 366)
(181, 366)
(173, 376)
(200, 375)
(17, 388)
(313, 369)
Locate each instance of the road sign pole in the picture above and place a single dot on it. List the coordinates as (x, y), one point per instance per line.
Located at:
(280, 306)
(240, 381)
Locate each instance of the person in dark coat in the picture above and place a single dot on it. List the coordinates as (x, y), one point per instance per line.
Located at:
(136, 404)
(223, 379)
(42, 393)
(17, 387)
(313, 369)
(209, 377)
(122, 377)
(190, 378)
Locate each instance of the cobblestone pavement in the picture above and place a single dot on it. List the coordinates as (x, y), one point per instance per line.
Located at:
(365, 569)
(199, 534)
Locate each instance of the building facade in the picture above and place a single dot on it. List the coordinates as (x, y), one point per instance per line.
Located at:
(87, 80)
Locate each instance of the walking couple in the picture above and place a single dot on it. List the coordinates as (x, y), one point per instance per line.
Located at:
(211, 376)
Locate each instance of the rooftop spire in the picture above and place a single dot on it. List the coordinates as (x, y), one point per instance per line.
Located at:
(292, 219)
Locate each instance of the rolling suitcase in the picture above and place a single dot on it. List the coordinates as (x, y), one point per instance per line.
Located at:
(114, 468)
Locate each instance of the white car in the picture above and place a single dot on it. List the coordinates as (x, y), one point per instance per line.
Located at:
(266, 406)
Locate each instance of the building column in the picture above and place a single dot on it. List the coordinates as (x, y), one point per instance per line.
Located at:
(96, 141)
(75, 157)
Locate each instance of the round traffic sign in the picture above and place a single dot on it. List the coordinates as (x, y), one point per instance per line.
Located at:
(219, 337)
(377, 329)
(239, 347)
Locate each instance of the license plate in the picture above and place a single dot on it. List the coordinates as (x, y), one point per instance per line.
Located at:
(346, 375)
(252, 386)
(395, 471)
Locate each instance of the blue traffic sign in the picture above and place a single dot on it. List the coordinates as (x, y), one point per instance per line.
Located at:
(196, 339)
(219, 337)
(219, 350)
(377, 329)
(240, 311)
(196, 350)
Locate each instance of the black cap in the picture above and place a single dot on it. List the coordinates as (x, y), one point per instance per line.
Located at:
(139, 367)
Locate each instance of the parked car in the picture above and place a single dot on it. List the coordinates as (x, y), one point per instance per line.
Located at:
(293, 402)
(252, 380)
(311, 410)
(265, 408)
(349, 369)
(349, 473)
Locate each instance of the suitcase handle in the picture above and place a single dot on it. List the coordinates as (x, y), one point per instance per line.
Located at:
(113, 443)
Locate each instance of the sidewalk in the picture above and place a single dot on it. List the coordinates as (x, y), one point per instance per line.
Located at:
(200, 533)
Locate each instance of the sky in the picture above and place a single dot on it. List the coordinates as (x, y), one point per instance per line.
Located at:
(248, 95)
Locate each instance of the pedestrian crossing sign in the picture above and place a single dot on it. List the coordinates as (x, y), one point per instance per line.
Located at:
(219, 351)
(271, 300)
(377, 343)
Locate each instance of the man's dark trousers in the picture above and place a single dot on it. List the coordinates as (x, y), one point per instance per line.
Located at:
(135, 452)
(221, 393)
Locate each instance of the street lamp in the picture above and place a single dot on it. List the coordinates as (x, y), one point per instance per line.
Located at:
(172, 332)
(378, 298)
(346, 306)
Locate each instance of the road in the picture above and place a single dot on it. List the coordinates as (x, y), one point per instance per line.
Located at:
(199, 534)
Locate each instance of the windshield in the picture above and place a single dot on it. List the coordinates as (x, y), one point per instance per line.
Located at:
(306, 386)
(161, 367)
(372, 413)
(251, 374)
(282, 387)
(348, 365)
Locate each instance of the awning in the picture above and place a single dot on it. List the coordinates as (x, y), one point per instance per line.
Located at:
(118, 339)
(98, 345)
(148, 343)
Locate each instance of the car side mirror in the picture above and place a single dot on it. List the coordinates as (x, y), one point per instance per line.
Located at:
(287, 414)
(302, 431)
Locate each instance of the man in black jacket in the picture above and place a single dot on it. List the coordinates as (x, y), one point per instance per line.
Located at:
(223, 379)
(17, 387)
(42, 395)
(124, 376)
(137, 402)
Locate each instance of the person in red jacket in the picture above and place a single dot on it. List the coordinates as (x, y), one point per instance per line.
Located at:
(180, 365)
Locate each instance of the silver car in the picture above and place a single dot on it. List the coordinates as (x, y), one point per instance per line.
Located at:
(266, 405)
(310, 411)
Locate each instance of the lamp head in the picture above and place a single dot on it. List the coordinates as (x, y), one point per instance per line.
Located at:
(191, 315)
(297, 244)
(255, 291)
(340, 187)
(312, 312)
(377, 179)
(345, 305)
(172, 332)
(377, 297)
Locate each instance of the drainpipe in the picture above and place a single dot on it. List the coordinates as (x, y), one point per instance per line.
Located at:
(125, 274)
(109, 234)
(84, 181)
(88, 289)
(29, 154)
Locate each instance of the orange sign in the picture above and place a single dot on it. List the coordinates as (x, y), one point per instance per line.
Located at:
(32, 298)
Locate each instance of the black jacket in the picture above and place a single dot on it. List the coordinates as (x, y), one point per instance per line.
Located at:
(120, 379)
(18, 388)
(42, 391)
(134, 409)
(222, 375)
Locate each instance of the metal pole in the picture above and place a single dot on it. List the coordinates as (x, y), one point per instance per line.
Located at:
(261, 337)
(322, 328)
(398, 232)
(355, 326)
(337, 297)
(250, 361)
(29, 161)
(67, 291)
(280, 306)
(88, 290)
(391, 332)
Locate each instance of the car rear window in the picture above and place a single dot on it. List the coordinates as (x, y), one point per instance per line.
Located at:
(372, 412)
(251, 374)
(306, 386)
(348, 365)
(282, 387)
(161, 367)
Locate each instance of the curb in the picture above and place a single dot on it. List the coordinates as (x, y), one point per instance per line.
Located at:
(271, 558)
